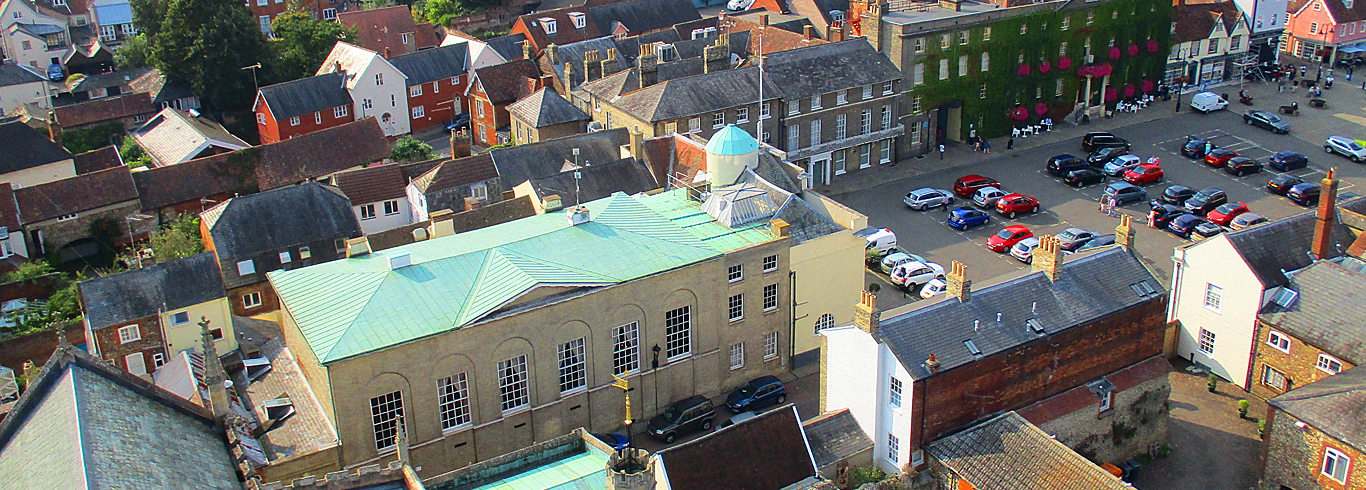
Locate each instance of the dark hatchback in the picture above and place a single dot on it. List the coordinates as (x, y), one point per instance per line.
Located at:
(1096, 140)
(1084, 177)
(687, 415)
(1304, 194)
(1176, 194)
(1205, 201)
(1287, 160)
(1241, 166)
(757, 393)
(1281, 183)
(1097, 242)
(1060, 165)
(1103, 156)
(1165, 213)
(1183, 225)
(1196, 148)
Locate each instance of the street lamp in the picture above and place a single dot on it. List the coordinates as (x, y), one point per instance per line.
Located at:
(254, 85)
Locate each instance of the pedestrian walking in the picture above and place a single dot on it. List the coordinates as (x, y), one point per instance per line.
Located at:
(941, 152)
(1280, 86)
(986, 146)
(1152, 218)
(1294, 84)
(1010, 143)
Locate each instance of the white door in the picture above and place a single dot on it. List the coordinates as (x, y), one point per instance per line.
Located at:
(136, 364)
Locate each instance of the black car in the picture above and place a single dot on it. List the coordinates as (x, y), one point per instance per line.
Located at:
(1241, 166)
(757, 393)
(1096, 140)
(1281, 183)
(1196, 148)
(1288, 160)
(690, 414)
(1103, 156)
(1183, 225)
(1177, 194)
(1084, 177)
(1062, 164)
(1163, 214)
(1267, 121)
(1304, 194)
(1205, 201)
(1097, 242)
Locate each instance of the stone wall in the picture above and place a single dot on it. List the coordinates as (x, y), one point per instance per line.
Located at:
(1294, 457)
(151, 343)
(1298, 366)
(1136, 421)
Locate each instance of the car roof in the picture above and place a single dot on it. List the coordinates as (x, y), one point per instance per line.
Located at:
(764, 380)
(1076, 231)
(1248, 216)
(1211, 190)
(1127, 157)
(1029, 242)
(1286, 153)
(1178, 187)
(1187, 218)
(989, 189)
(1288, 177)
(963, 210)
(966, 178)
(1120, 185)
(926, 190)
(1305, 185)
(1016, 228)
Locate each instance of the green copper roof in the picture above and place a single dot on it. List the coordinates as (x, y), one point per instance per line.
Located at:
(581, 471)
(731, 140)
(353, 306)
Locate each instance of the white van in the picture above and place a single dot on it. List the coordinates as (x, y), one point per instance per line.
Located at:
(1208, 102)
(879, 239)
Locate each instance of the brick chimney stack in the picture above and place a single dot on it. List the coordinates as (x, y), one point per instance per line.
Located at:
(866, 315)
(1124, 233)
(592, 66)
(526, 50)
(649, 65)
(717, 56)
(957, 283)
(808, 32)
(932, 364)
(763, 20)
(1323, 225)
(609, 64)
(1048, 256)
(553, 52)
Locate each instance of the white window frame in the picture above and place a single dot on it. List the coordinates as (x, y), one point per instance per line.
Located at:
(735, 273)
(251, 300)
(329, 14)
(865, 121)
(626, 349)
(386, 417)
(136, 363)
(403, 38)
(840, 127)
(513, 387)
(1205, 341)
(1336, 465)
(894, 392)
(294, 121)
(816, 102)
(367, 211)
(246, 267)
(1328, 364)
(770, 345)
(742, 115)
(415, 90)
(678, 333)
(175, 318)
(893, 447)
(419, 112)
(480, 191)
(573, 359)
(1267, 381)
(825, 321)
(317, 117)
(771, 297)
(340, 111)
(391, 207)
(885, 151)
(841, 97)
(1106, 400)
(764, 110)
(735, 307)
(1213, 297)
(379, 79)
(837, 161)
(304, 253)
(129, 333)
(1279, 341)
(158, 359)
(285, 257)
(695, 125)
(453, 401)
(868, 91)
(770, 263)
(737, 356)
(718, 120)
(794, 137)
(815, 131)
(864, 160)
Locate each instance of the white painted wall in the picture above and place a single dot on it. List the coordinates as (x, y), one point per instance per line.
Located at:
(480, 55)
(382, 221)
(390, 97)
(417, 203)
(852, 359)
(892, 420)
(1234, 323)
(1264, 15)
(14, 96)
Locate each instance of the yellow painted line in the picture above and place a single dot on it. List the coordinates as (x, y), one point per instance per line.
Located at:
(1351, 117)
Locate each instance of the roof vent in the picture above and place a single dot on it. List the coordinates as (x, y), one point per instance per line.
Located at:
(1033, 324)
(256, 367)
(577, 215)
(279, 408)
(399, 259)
(972, 347)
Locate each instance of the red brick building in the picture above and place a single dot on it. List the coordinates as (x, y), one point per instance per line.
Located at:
(492, 90)
(390, 31)
(437, 80)
(267, 10)
(1306, 334)
(299, 107)
(1316, 437)
(597, 19)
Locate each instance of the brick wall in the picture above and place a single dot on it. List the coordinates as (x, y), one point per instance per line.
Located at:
(1297, 366)
(37, 346)
(57, 234)
(269, 301)
(1136, 420)
(1040, 369)
(1294, 457)
(440, 100)
(273, 131)
(151, 343)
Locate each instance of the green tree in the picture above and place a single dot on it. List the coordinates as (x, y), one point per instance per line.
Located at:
(132, 153)
(301, 43)
(29, 271)
(439, 12)
(136, 52)
(412, 150)
(204, 44)
(176, 240)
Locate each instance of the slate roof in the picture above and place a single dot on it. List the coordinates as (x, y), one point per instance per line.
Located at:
(9, 207)
(1269, 248)
(96, 160)
(1319, 315)
(509, 46)
(824, 68)
(493, 214)
(521, 163)
(546, 108)
(597, 181)
(1009, 453)
(271, 220)
(103, 110)
(458, 172)
(377, 29)
(371, 184)
(641, 16)
(13, 74)
(819, 11)
(433, 64)
(1195, 21)
(173, 136)
(1323, 404)
(1087, 289)
(349, 307)
(189, 181)
(306, 95)
(26, 148)
(684, 97)
(506, 82)
(130, 295)
(58, 436)
(75, 194)
(155, 84)
(835, 436)
(305, 432)
(765, 452)
(573, 54)
(319, 153)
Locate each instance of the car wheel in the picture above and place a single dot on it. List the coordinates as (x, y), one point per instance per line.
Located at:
(1011, 215)
(706, 425)
(781, 399)
(1078, 184)
(1327, 149)
(669, 439)
(1035, 210)
(1356, 159)
(1248, 121)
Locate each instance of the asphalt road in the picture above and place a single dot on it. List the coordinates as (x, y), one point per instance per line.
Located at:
(1063, 206)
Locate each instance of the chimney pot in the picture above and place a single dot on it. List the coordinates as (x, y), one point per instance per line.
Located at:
(956, 282)
(1327, 212)
(866, 314)
(932, 364)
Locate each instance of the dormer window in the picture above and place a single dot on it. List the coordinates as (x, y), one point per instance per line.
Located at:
(58, 3)
(548, 24)
(580, 20)
(836, 16)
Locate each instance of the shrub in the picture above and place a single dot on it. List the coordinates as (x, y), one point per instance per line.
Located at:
(865, 474)
(1242, 408)
(411, 149)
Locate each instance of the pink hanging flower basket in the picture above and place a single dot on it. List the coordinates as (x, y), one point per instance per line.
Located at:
(1045, 67)
(1111, 94)
(1019, 113)
(1133, 50)
(1064, 63)
(1152, 45)
(1101, 70)
(1128, 90)
(1024, 70)
(1040, 108)
(1147, 86)
(1114, 53)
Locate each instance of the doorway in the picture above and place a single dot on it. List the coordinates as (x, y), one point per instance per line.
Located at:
(819, 170)
(950, 121)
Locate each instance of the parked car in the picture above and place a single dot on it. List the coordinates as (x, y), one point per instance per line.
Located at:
(964, 218)
(757, 393)
(459, 121)
(1176, 194)
(1165, 213)
(986, 197)
(1196, 148)
(1084, 177)
(1208, 102)
(1345, 146)
(1281, 183)
(1098, 158)
(1223, 215)
(1123, 193)
(1096, 140)
(1241, 166)
(1008, 237)
(1072, 238)
(1059, 165)
(1304, 194)
(1205, 230)
(1267, 121)
(1246, 220)
(1011, 204)
(894, 259)
(1095, 243)
(55, 72)
(1183, 225)
(739, 5)
(737, 418)
(1219, 157)
(912, 274)
(687, 415)
(1144, 174)
(933, 288)
(1205, 201)
(1287, 160)
(615, 441)
(926, 198)
(966, 185)
(1024, 250)
(1122, 164)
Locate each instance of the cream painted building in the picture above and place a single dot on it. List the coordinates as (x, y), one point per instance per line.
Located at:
(19, 85)
(182, 326)
(375, 85)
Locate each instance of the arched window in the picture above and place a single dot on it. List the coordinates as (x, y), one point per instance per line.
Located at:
(825, 321)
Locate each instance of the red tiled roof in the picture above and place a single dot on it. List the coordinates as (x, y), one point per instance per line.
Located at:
(9, 209)
(506, 82)
(1069, 401)
(1195, 21)
(75, 194)
(320, 153)
(371, 184)
(462, 171)
(104, 109)
(382, 28)
(96, 160)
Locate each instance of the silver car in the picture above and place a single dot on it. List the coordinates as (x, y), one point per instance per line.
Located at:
(1122, 164)
(1024, 251)
(986, 197)
(1345, 146)
(926, 198)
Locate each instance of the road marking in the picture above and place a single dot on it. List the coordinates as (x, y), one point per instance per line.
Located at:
(1352, 117)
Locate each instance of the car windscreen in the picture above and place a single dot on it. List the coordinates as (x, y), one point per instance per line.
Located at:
(1006, 234)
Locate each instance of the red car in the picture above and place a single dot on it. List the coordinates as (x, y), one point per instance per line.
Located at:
(1012, 204)
(1219, 157)
(967, 185)
(1008, 237)
(1223, 215)
(1144, 174)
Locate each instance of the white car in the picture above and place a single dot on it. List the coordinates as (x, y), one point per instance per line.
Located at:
(933, 288)
(911, 275)
(1024, 251)
(1121, 164)
(739, 5)
(925, 198)
(892, 260)
(1208, 102)
(986, 197)
(1346, 147)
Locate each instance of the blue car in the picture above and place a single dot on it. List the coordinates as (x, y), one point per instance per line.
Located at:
(758, 392)
(1183, 225)
(964, 218)
(55, 72)
(616, 441)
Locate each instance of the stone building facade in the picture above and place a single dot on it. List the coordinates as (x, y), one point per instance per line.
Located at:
(1314, 437)
(1283, 362)
(137, 347)
(1117, 417)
